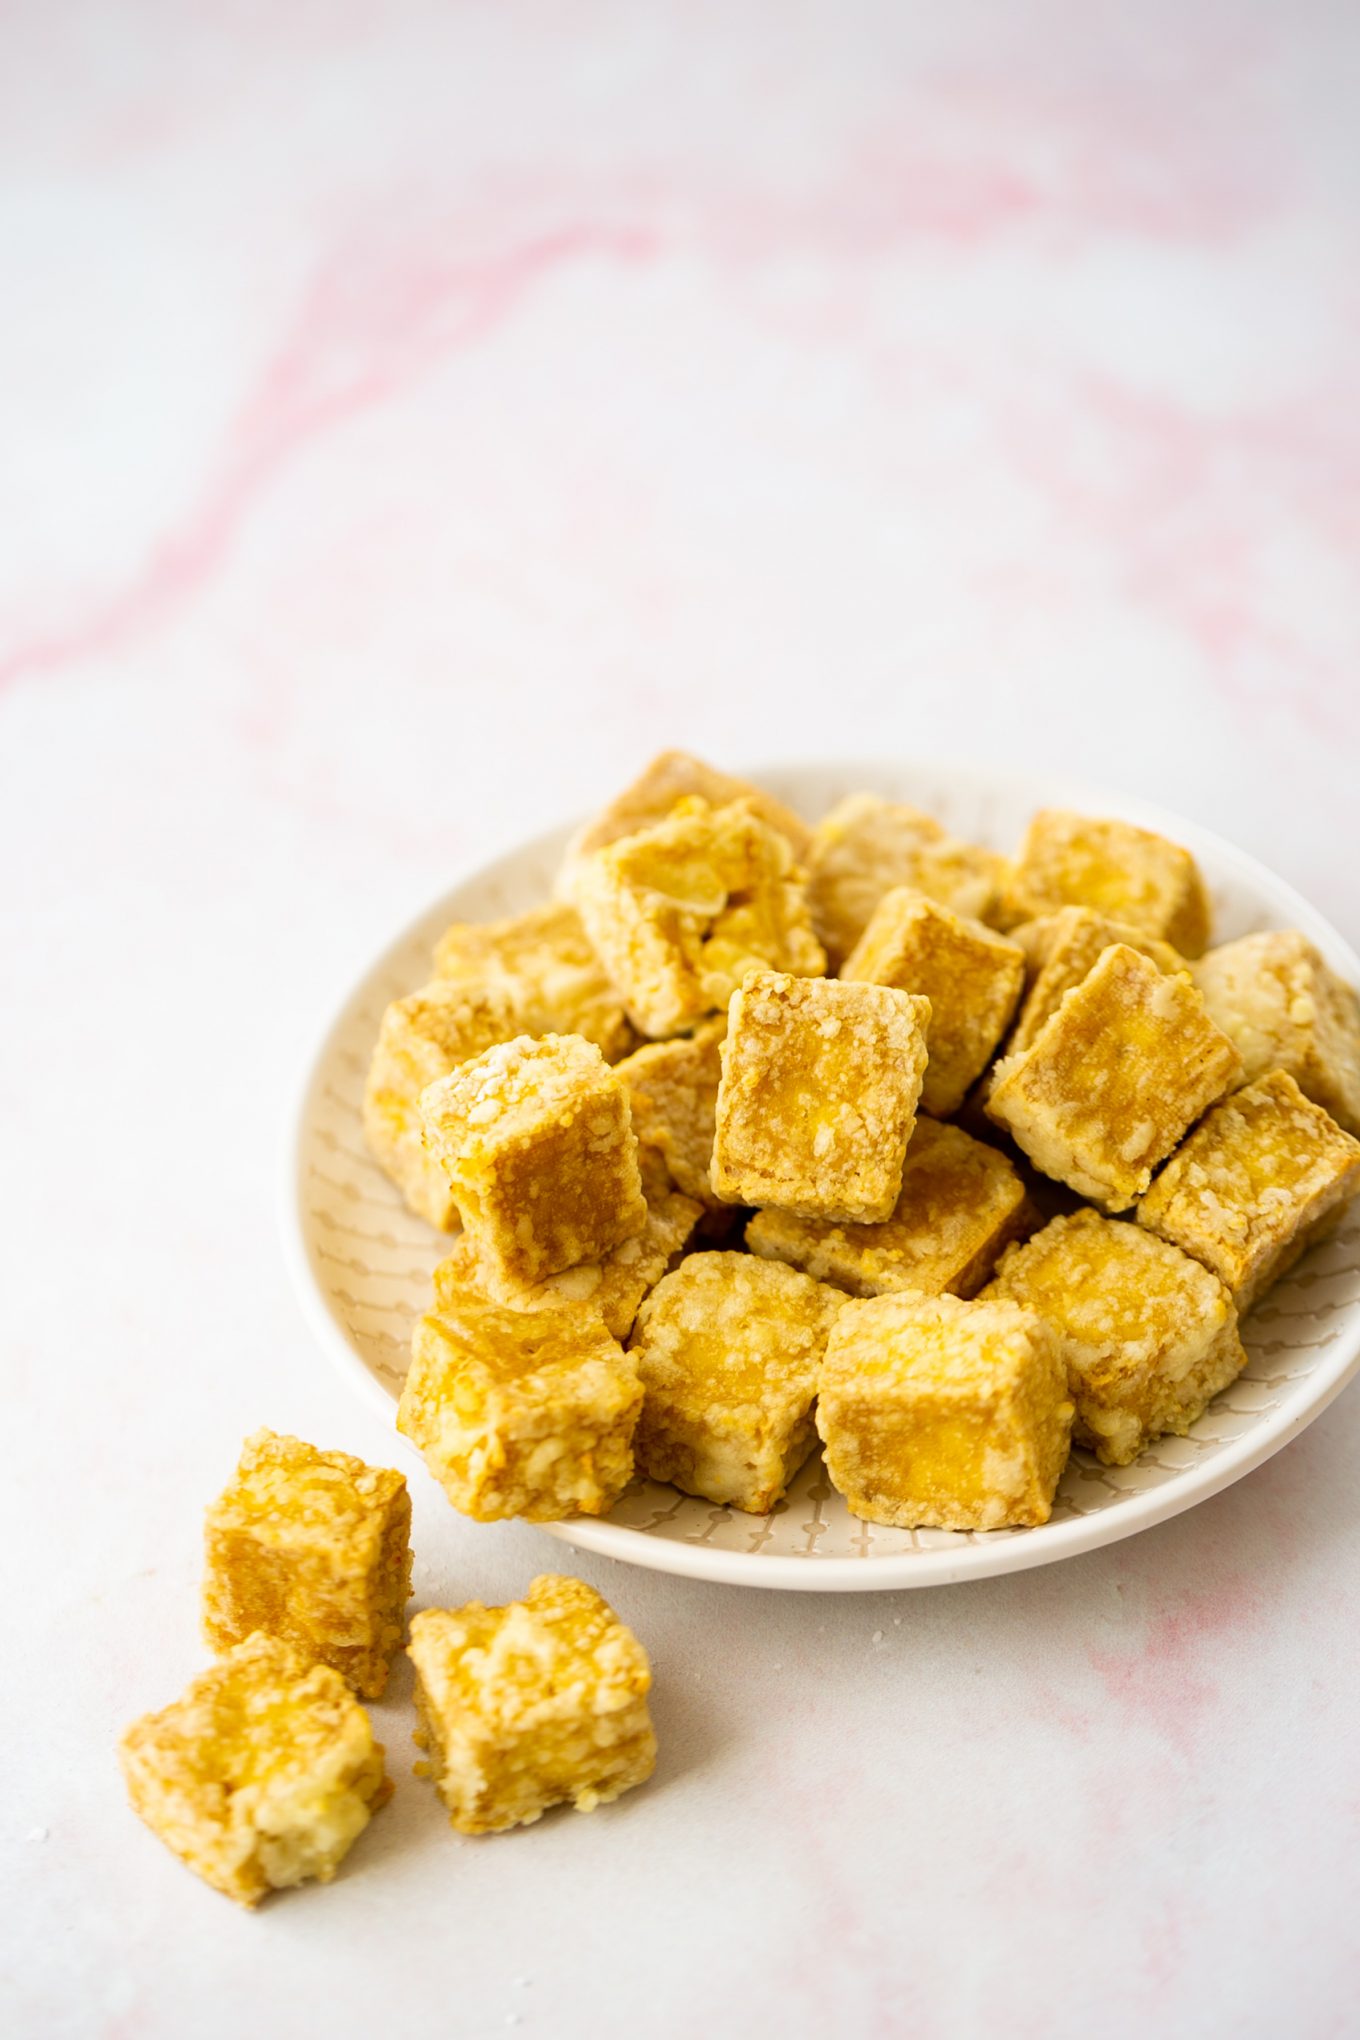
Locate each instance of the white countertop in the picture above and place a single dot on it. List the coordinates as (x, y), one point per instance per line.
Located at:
(413, 418)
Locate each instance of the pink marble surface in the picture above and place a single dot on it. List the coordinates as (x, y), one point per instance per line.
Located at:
(413, 416)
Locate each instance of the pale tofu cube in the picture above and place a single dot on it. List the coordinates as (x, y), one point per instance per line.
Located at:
(545, 964)
(1286, 1009)
(865, 846)
(673, 1091)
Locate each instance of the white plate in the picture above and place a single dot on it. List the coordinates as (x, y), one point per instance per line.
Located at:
(362, 1263)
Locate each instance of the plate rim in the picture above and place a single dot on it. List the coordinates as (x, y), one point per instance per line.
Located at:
(1013, 1550)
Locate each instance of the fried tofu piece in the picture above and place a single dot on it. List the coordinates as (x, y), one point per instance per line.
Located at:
(530, 1706)
(961, 1203)
(544, 962)
(682, 910)
(423, 1038)
(613, 1287)
(865, 846)
(673, 1088)
(262, 1774)
(312, 1548)
(728, 1349)
(675, 776)
(1287, 1009)
(1129, 874)
(520, 1412)
(1114, 1078)
(971, 976)
(536, 1139)
(1149, 1336)
(818, 1095)
(1262, 1177)
(939, 1412)
(1063, 948)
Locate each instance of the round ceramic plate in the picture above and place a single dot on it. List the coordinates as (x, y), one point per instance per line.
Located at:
(362, 1262)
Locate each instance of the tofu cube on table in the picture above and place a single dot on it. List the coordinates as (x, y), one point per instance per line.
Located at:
(534, 1705)
(944, 1413)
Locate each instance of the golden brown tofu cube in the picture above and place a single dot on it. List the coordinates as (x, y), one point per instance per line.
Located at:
(530, 1706)
(544, 963)
(865, 846)
(1127, 873)
(939, 1412)
(423, 1038)
(520, 1413)
(961, 1203)
(536, 1139)
(728, 1349)
(818, 1095)
(673, 1087)
(1114, 1078)
(971, 977)
(681, 911)
(674, 776)
(1287, 1009)
(263, 1774)
(313, 1548)
(1263, 1176)
(1063, 948)
(1149, 1336)
(613, 1287)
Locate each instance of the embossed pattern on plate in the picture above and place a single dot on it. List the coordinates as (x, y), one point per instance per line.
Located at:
(362, 1261)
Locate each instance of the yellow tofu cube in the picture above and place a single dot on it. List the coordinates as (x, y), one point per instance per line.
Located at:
(1127, 873)
(613, 1287)
(865, 846)
(673, 1089)
(538, 1704)
(520, 1413)
(1149, 1336)
(971, 976)
(536, 1139)
(1063, 948)
(937, 1412)
(263, 1774)
(1114, 1078)
(423, 1038)
(675, 776)
(1286, 1009)
(1263, 1176)
(314, 1549)
(728, 1349)
(544, 962)
(818, 1095)
(961, 1203)
(682, 910)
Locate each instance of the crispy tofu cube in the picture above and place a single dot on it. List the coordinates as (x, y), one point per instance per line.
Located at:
(263, 1774)
(1063, 948)
(938, 1412)
(1127, 873)
(865, 846)
(544, 963)
(818, 1095)
(673, 1088)
(423, 1038)
(313, 1548)
(1286, 1009)
(961, 1203)
(536, 1139)
(1114, 1078)
(1149, 1336)
(728, 1349)
(1263, 1176)
(613, 1287)
(682, 910)
(971, 977)
(518, 1412)
(675, 776)
(530, 1706)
